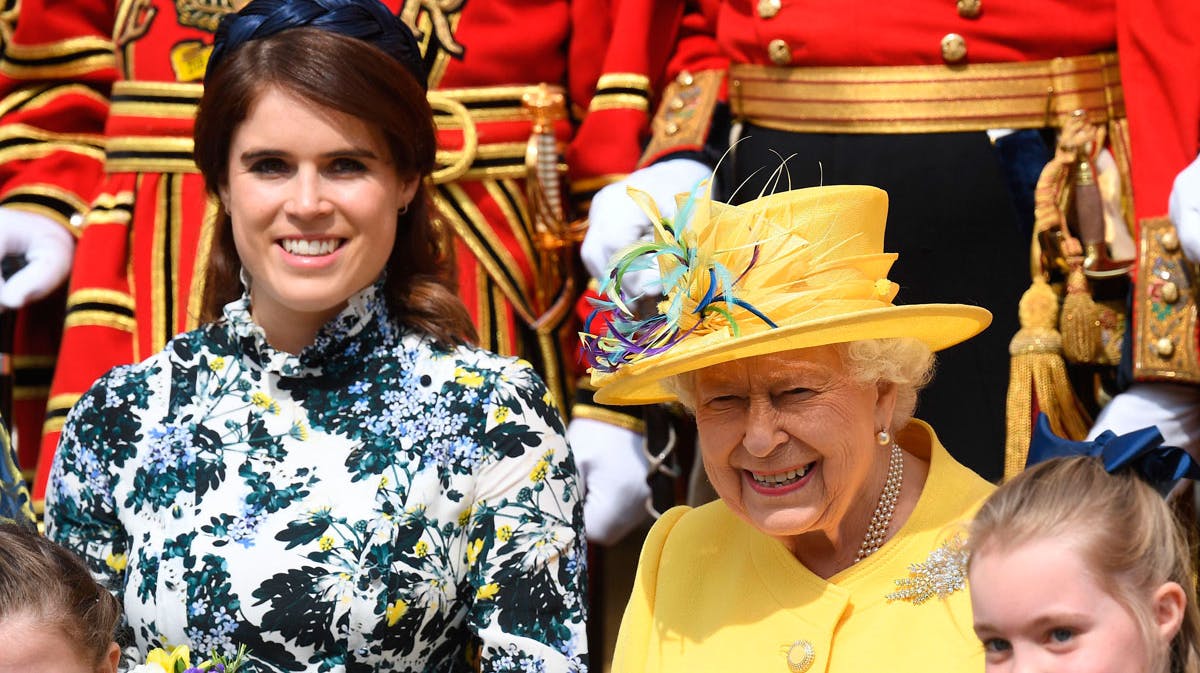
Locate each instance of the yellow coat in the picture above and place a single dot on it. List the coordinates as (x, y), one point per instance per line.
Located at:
(714, 594)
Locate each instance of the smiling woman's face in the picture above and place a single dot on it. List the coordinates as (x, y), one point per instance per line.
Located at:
(788, 440)
(314, 198)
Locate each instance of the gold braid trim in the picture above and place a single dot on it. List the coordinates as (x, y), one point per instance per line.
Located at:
(605, 415)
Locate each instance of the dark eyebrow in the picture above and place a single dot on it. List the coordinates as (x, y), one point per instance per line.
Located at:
(352, 152)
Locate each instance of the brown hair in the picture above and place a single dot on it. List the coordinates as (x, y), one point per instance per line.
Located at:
(1122, 528)
(41, 579)
(348, 75)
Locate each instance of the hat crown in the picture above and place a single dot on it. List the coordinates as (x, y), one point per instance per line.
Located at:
(787, 271)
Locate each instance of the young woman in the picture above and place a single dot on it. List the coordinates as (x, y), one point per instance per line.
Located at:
(328, 473)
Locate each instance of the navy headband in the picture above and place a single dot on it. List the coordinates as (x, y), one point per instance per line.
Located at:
(366, 20)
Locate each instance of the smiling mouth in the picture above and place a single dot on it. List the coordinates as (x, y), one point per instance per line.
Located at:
(781, 478)
(311, 248)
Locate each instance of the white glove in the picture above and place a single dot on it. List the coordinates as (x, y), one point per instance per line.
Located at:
(616, 222)
(1185, 209)
(1174, 408)
(48, 249)
(612, 466)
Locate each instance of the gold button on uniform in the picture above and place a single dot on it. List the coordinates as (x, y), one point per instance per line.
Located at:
(768, 8)
(671, 128)
(1170, 292)
(684, 78)
(780, 52)
(954, 48)
(969, 9)
(1170, 242)
(1164, 347)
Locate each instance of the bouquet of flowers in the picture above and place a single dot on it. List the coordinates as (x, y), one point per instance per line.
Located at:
(179, 660)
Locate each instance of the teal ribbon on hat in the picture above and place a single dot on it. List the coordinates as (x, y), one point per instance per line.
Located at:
(1142, 451)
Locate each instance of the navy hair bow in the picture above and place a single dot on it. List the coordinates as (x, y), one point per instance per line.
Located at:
(1140, 450)
(366, 20)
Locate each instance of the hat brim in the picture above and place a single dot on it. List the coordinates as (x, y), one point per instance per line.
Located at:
(937, 325)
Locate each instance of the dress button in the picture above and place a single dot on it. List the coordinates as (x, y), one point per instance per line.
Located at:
(768, 8)
(969, 9)
(954, 48)
(780, 52)
(800, 656)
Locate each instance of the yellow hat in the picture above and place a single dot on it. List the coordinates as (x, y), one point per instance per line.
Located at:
(791, 270)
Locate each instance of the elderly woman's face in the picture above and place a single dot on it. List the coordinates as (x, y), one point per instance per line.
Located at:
(788, 439)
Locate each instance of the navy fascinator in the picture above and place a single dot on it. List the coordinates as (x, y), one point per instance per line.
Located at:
(366, 20)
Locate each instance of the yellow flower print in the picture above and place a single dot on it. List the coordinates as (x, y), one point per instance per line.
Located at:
(421, 549)
(263, 401)
(395, 610)
(466, 378)
(383, 482)
(299, 431)
(117, 562)
(548, 400)
(465, 516)
(539, 471)
(501, 414)
(217, 364)
(487, 591)
(325, 543)
(504, 533)
(473, 549)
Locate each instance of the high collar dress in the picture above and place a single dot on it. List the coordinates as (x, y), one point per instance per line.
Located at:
(374, 503)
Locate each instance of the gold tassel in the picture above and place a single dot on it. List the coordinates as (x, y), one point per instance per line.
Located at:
(1080, 322)
(1038, 378)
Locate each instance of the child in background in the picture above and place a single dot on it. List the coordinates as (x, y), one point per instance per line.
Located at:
(1076, 570)
(54, 618)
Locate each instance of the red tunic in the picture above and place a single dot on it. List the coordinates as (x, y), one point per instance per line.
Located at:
(141, 252)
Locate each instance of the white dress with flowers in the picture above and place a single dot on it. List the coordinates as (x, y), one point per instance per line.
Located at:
(373, 504)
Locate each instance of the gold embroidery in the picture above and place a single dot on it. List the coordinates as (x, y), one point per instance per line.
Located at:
(618, 101)
(99, 295)
(203, 14)
(189, 60)
(606, 415)
(623, 80)
(943, 573)
(1164, 307)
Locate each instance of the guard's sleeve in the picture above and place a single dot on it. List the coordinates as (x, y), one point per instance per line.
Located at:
(55, 76)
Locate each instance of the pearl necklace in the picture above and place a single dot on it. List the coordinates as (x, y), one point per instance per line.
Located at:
(882, 518)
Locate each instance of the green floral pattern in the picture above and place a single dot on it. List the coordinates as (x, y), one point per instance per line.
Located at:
(374, 503)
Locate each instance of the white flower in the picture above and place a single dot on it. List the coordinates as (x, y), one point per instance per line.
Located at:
(147, 668)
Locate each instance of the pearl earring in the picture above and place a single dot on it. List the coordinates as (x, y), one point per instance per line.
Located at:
(883, 438)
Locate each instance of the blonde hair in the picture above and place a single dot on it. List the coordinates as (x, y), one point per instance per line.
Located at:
(906, 363)
(1123, 530)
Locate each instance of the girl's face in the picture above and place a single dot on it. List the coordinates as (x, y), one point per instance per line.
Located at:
(32, 646)
(1038, 608)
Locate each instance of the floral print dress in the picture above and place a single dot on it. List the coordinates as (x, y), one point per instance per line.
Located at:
(375, 503)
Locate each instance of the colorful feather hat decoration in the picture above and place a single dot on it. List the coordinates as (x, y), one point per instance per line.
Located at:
(790, 270)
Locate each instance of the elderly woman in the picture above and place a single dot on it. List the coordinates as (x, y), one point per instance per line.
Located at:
(835, 543)
(328, 472)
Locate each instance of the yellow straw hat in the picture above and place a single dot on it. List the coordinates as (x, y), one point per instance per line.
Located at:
(791, 270)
